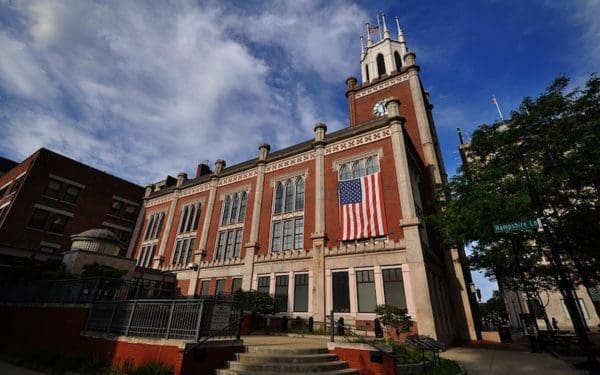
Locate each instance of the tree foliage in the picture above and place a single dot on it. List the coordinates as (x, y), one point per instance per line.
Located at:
(561, 125)
(256, 302)
(394, 316)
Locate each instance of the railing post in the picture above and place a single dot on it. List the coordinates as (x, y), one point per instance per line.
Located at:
(332, 339)
(170, 319)
(130, 318)
(112, 316)
(198, 324)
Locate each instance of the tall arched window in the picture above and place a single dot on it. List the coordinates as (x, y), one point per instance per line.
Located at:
(278, 198)
(184, 219)
(226, 210)
(371, 166)
(243, 205)
(358, 169)
(345, 173)
(380, 65)
(398, 61)
(367, 72)
(289, 196)
(234, 209)
(196, 217)
(299, 194)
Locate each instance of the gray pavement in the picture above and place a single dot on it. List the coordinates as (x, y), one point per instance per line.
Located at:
(508, 362)
(9, 369)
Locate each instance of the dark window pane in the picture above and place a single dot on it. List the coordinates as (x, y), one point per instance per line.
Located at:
(129, 213)
(278, 198)
(220, 286)
(299, 194)
(340, 291)
(298, 233)
(236, 284)
(287, 235)
(289, 196)
(237, 248)
(263, 284)
(281, 293)
(393, 287)
(221, 245)
(234, 209)
(176, 252)
(183, 220)
(225, 211)
(71, 194)
(301, 292)
(365, 288)
(39, 218)
(115, 208)
(276, 243)
(371, 166)
(196, 217)
(204, 287)
(243, 205)
(53, 189)
(358, 169)
(58, 223)
(149, 227)
(345, 173)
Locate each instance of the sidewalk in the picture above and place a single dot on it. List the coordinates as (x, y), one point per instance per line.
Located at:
(508, 362)
(7, 368)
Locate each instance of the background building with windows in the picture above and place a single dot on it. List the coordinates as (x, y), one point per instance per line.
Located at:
(332, 223)
(48, 197)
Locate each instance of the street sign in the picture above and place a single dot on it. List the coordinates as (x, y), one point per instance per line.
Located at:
(595, 293)
(517, 226)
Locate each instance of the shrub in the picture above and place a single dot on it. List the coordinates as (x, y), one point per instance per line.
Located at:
(396, 317)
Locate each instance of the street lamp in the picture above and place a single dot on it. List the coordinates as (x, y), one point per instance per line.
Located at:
(565, 285)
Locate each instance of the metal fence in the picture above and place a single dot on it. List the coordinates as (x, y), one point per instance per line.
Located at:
(84, 291)
(184, 319)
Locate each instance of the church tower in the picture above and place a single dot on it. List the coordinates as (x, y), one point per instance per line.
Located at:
(389, 69)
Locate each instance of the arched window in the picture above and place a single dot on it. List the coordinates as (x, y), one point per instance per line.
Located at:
(278, 198)
(345, 173)
(380, 65)
(183, 220)
(398, 61)
(196, 217)
(289, 196)
(371, 166)
(234, 209)
(299, 194)
(149, 229)
(243, 205)
(358, 169)
(226, 211)
(367, 72)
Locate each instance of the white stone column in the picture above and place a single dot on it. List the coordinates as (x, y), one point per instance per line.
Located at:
(319, 236)
(353, 291)
(252, 244)
(423, 313)
(379, 291)
(136, 231)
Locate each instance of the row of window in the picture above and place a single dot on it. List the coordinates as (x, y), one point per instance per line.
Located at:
(146, 255)
(381, 71)
(358, 168)
(293, 191)
(182, 253)
(234, 208)
(122, 209)
(236, 284)
(154, 227)
(62, 191)
(300, 303)
(50, 221)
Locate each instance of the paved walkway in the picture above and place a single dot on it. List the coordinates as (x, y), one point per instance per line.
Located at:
(8, 369)
(268, 340)
(507, 362)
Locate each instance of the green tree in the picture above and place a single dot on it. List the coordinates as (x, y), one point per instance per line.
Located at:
(256, 302)
(561, 126)
(393, 316)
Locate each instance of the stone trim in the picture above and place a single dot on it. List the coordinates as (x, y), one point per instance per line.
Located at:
(54, 210)
(378, 87)
(272, 167)
(363, 155)
(358, 141)
(66, 180)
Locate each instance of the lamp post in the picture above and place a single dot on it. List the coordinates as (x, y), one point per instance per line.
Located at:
(563, 280)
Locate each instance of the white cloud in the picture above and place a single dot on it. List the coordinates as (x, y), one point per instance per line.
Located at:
(144, 90)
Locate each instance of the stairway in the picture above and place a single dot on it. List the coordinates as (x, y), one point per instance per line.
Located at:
(277, 360)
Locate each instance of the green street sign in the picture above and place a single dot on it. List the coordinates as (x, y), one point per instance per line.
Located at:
(516, 226)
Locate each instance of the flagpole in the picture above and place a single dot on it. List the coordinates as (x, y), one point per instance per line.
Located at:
(379, 27)
(497, 107)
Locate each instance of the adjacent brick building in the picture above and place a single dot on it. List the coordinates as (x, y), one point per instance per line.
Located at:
(281, 223)
(48, 197)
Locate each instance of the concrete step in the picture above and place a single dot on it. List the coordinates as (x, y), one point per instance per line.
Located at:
(285, 358)
(277, 350)
(346, 371)
(289, 367)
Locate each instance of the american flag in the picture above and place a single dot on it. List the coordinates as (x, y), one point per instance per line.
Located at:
(373, 29)
(362, 212)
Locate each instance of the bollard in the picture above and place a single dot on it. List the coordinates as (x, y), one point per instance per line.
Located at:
(284, 323)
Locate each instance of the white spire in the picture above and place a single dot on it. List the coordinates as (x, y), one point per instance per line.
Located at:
(386, 33)
(362, 47)
(369, 40)
(401, 39)
(379, 29)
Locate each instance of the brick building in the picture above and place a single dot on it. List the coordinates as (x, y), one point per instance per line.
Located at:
(48, 197)
(332, 223)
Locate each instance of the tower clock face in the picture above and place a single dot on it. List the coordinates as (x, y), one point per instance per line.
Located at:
(379, 108)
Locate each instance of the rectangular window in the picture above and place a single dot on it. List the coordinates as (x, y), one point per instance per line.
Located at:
(301, 292)
(340, 291)
(58, 223)
(221, 245)
(238, 243)
(582, 308)
(281, 293)
(393, 287)
(115, 208)
(365, 289)
(146, 254)
(229, 244)
(220, 287)
(263, 284)
(276, 243)
(299, 233)
(204, 287)
(287, 235)
(71, 194)
(176, 252)
(182, 253)
(39, 218)
(236, 284)
(53, 188)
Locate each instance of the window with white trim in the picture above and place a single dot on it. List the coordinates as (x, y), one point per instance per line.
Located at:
(231, 231)
(145, 256)
(358, 168)
(287, 222)
(186, 235)
(155, 223)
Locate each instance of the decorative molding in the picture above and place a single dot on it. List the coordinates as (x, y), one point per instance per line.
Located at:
(291, 175)
(195, 189)
(358, 141)
(159, 200)
(272, 167)
(378, 87)
(234, 261)
(238, 189)
(237, 177)
(282, 256)
(365, 247)
(378, 153)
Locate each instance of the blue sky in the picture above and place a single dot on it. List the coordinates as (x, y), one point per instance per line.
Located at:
(145, 89)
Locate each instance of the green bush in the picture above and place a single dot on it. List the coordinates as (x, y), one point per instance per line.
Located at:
(396, 317)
